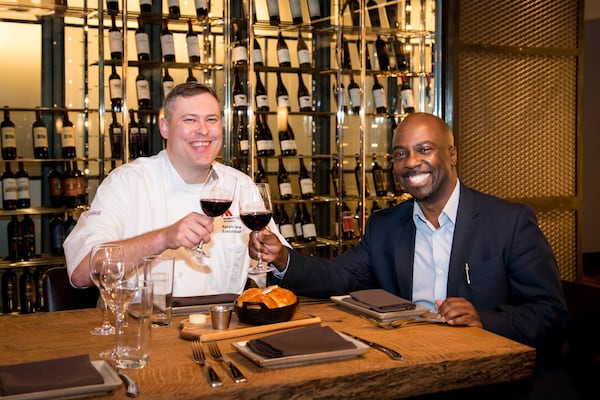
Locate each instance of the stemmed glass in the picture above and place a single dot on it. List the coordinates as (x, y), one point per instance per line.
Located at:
(101, 253)
(214, 203)
(255, 213)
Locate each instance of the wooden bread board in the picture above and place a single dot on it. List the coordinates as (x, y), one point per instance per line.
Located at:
(206, 333)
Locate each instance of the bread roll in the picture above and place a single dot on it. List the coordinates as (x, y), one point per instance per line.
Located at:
(272, 297)
(282, 296)
(248, 294)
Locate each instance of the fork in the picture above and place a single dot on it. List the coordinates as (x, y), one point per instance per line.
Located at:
(215, 354)
(200, 359)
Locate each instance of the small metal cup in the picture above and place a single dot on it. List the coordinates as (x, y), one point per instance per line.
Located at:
(220, 317)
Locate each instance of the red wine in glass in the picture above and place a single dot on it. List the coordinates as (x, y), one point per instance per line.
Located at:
(256, 220)
(215, 207)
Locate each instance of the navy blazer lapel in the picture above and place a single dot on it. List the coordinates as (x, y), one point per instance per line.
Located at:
(404, 251)
(466, 224)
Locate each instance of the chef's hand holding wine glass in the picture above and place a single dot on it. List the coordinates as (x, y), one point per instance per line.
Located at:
(256, 212)
(214, 201)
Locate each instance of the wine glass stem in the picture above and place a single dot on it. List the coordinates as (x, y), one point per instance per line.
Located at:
(199, 247)
(259, 263)
(106, 322)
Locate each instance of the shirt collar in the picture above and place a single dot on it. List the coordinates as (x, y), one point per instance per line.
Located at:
(449, 211)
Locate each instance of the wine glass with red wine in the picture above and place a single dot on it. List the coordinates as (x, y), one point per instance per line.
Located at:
(256, 212)
(215, 201)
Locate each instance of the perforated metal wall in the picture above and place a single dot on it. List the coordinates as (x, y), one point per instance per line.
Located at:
(516, 110)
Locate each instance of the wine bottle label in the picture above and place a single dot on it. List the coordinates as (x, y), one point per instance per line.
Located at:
(285, 188)
(70, 187)
(55, 187)
(306, 186)
(134, 131)
(240, 100)
(379, 181)
(295, 9)
(143, 89)
(298, 227)
(283, 56)
(68, 136)
(244, 145)
(273, 6)
(262, 101)
(262, 145)
(270, 145)
(23, 188)
(239, 53)
(379, 98)
(58, 236)
(283, 101)
(115, 89)
(115, 42)
(9, 137)
(167, 87)
(354, 97)
(288, 144)
(305, 102)
(167, 45)
(258, 58)
(309, 230)
(142, 43)
(173, 3)
(408, 100)
(303, 57)
(201, 3)
(40, 136)
(287, 230)
(347, 221)
(193, 46)
(9, 189)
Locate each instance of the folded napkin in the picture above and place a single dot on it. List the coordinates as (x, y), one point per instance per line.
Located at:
(379, 300)
(308, 340)
(203, 300)
(39, 376)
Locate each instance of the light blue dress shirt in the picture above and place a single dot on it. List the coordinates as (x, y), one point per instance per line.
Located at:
(432, 253)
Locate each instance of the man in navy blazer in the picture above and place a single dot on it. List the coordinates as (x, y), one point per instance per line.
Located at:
(491, 265)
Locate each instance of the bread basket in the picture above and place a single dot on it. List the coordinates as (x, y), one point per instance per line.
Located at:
(255, 313)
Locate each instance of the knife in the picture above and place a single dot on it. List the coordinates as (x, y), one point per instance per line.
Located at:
(393, 354)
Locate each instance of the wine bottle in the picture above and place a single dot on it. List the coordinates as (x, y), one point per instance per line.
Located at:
(242, 135)
(57, 235)
(240, 100)
(69, 186)
(268, 136)
(115, 133)
(142, 89)
(340, 96)
(358, 176)
(394, 187)
(283, 99)
(144, 138)
(373, 13)
(298, 223)
(80, 184)
(191, 77)
(402, 55)
(406, 94)
(283, 180)
(276, 215)
(23, 189)
(378, 177)
(258, 57)
(40, 136)
(167, 83)
(167, 44)
(27, 291)
(378, 96)
(260, 176)
(55, 187)
(305, 181)
(67, 137)
(9, 137)
(346, 60)
(146, 6)
(115, 89)
(28, 244)
(375, 207)
(174, 9)
(391, 11)
(9, 188)
(40, 289)
(354, 11)
(202, 8)
(285, 226)
(314, 10)
(304, 97)
(354, 94)
(309, 230)
(287, 141)
(239, 54)
(382, 54)
(296, 11)
(347, 222)
(273, 10)
(112, 7)
(115, 41)
(10, 292)
(337, 177)
(193, 45)
(134, 136)
(14, 233)
(283, 52)
(260, 139)
(262, 100)
(69, 224)
(303, 54)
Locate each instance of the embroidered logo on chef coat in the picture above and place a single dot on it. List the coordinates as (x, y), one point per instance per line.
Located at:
(231, 224)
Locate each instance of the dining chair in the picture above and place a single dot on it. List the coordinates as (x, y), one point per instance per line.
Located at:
(61, 295)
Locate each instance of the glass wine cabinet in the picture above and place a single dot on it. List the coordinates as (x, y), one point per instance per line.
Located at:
(311, 91)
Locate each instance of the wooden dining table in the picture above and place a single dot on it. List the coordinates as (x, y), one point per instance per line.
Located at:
(437, 358)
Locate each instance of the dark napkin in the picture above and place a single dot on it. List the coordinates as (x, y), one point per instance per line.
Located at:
(203, 300)
(308, 340)
(39, 376)
(379, 300)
